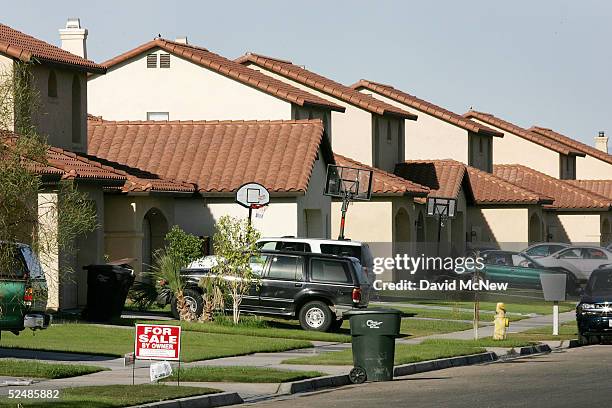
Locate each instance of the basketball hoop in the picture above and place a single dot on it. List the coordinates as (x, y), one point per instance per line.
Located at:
(253, 196)
(349, 184)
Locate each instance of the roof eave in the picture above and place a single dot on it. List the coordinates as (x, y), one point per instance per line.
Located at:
(335, 108)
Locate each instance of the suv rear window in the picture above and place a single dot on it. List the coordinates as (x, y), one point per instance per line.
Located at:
(285, 268)
(16, 267)
(342, 250)
(284, 246)
(327, 270)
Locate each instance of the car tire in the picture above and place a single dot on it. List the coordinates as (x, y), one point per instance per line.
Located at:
(193, 298)
(316, 316)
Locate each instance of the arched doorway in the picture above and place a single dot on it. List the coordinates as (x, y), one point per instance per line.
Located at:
(154, 229)
(401, 236)
(535, 229)
(606, 232)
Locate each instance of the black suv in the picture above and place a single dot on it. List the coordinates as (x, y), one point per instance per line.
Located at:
(594, 311)
(314, 288)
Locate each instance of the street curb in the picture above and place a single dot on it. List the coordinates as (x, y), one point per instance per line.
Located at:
(314, 384)
(537, 349)
(199, 401)
(573, 343)
(424, 366)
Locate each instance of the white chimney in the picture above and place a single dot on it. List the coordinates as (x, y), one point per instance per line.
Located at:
(601, 142)
(181, 40)
(74, 38)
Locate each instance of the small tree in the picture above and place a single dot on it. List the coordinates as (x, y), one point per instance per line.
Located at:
(167, 268)
(213, 296)
(234, 243)
(186, 247)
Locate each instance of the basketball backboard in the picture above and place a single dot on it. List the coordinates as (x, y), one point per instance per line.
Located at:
(252, 195)
(348, 182)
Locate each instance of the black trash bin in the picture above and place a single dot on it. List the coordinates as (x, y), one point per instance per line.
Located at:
(373, 333)
(107, 289)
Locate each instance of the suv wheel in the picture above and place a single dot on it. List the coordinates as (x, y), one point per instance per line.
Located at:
(193, 299)
(316, 316)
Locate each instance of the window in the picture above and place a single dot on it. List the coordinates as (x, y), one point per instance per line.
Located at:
(341, 250)
(570, 254)
(593, 253)
(270, 245)
(164, 60)
(77, 114)
(480, 145)
(258, 263)
(158, 116)
(52, 85)
(151, 60)
(567, 167)
(16, 267)
(324, 270)
(285, 268)
(389, 135)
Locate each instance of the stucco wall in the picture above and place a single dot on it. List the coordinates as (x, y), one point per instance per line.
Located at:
(6, 68)
(507, 228)
(185, 90)
(590, 168)
(429, 137)
(512, 149)
(313, 213)
(351, 131)
(574, 227)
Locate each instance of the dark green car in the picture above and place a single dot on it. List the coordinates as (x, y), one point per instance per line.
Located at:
(512, 267)
(23, 290)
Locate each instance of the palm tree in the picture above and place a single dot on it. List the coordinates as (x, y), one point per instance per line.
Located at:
(167, 269)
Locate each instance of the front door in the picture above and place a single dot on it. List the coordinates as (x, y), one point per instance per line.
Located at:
(282, 281)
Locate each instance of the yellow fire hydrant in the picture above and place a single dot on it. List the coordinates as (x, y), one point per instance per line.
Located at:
(501, 322)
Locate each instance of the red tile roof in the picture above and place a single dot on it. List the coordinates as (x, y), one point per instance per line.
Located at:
(203, 57)
(28, 49)
(426, 107)
(217, 156)
(573, 144)
(566, 196)
(384, 183)
(446, 177)
(324, 85)
(599, 187)
(523, 133)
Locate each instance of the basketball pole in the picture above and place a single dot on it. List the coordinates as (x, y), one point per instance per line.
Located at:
(250, 214)
(345, 204)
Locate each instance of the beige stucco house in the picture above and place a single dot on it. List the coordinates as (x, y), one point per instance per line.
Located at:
(438, 133)
(288, 157)
(369, 131)
(170, 80)
(578, 214)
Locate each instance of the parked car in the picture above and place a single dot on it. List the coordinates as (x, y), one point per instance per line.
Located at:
(594, 311)
(314, 288)
(356, 249)
(23, 291)
(518, 269)
(580, 261)
(543, 249)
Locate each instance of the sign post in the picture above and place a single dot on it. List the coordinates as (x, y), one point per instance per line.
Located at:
(553, 286)
(157, 342)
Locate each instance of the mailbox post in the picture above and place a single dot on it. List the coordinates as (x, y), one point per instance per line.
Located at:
(553, 286)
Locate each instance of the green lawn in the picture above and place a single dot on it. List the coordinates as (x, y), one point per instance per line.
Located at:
(404, 353)
(450, 314)
(242, 374)
(524, 308)
(111, 396)
(116, 341)
(567, 331)
(36, 369)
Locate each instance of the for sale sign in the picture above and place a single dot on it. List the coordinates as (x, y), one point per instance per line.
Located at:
(157, 342)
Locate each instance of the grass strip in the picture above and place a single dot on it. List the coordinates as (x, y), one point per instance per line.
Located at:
(37, 369)
(241, 374)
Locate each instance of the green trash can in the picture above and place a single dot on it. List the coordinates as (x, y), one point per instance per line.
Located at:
(373, 333)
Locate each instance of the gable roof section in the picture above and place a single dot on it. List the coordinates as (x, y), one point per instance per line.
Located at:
(443, 177)
(202, 57)
(566, 196)
(574, 144)
(384, 183)
(29, 49)
(324, 85)
(446, 177)
(426, 107)
(217, 156)
(599, 187)
(523, 133)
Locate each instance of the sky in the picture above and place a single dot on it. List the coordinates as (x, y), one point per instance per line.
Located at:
(545, 63)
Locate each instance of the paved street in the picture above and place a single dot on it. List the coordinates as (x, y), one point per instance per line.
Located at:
(569, 378)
